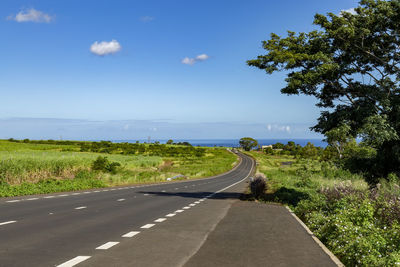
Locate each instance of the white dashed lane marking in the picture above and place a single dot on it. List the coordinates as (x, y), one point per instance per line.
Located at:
(34, 198)
(107, 245)
(121, 199)
(192, 205)
(49, 197)
(79, 208)
(186, 208)
(74, 261)
(170, 215)
(179, 211)
(147, 226)
(160, 220)
(131, 234)
(197, 202)
(11, 201)
(4, 223)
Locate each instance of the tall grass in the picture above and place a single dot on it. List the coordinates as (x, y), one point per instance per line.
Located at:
(27, 168)
(32, 166)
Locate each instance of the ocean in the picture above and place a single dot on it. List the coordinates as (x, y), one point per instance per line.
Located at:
(232, 142)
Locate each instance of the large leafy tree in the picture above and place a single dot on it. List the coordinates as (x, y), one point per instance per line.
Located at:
(352, 66)
(248, 143)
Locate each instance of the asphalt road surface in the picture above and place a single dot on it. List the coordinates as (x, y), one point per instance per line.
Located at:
(154, 225)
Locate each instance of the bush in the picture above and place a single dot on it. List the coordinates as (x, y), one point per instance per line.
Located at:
(258, 185)
(103, 164)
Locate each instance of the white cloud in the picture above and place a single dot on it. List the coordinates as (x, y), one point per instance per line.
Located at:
(350, 10)
(147, 18)
(104, 48)
(202, 57)
(31, 15)
(191, 61)
(188, 61)
(278, 128)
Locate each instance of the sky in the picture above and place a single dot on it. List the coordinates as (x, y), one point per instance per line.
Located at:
(116, 70)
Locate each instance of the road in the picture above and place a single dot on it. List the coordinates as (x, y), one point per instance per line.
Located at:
(116, 226)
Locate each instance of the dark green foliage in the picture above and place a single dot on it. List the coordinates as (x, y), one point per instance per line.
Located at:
(248, 143)
(258, 185)
(103, 164)
(352, 66)
(181, 149)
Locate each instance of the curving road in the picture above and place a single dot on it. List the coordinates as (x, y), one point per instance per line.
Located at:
(156, 225)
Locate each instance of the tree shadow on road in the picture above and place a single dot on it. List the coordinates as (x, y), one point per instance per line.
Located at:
(197, 195)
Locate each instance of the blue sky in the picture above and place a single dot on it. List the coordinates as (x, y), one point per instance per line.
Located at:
(55, 80)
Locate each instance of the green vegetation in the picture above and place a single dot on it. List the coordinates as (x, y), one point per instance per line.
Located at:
(248, 143)
(352, 67)
(34, 167)
(358, 223)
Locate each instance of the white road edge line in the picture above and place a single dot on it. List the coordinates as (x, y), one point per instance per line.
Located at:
(223, 189)
(11, 201)
(147, 226)
(160, 220)
(34, 198)
(79, 208)
(3, 223)
(74, 261)
(107, 245)
(49, 197)
(131, 234)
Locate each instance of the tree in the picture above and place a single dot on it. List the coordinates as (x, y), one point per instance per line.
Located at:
(352, 66)
(247, 143)
(170, 142)
(338, 138)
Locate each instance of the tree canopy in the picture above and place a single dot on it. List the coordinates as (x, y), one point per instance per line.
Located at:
(352, 66)
(247, 143)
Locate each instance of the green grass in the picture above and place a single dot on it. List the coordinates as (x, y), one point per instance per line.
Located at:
(27, 168)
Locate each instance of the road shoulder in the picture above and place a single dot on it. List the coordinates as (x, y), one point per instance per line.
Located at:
(259, 234)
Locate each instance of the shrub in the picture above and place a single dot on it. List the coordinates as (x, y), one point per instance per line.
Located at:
(258, 185)
(103, 164)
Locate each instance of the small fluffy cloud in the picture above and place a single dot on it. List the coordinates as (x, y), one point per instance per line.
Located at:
(104, 48)
(191, 61)
(350, 10)
(278, 128)
(147, 18)
(31, 15)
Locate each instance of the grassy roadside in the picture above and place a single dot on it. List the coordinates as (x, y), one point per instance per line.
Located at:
(360, 225)
(32, 168)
